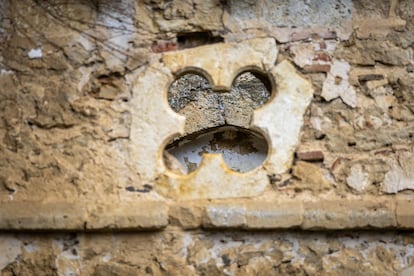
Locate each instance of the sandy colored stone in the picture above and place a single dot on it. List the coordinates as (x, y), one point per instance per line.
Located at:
(310, 176)
(273, 215)
(11, 248)
(224, 216)
(297, 17)
(401, 175)
(405, 213)
(282, 118)
(343, 214)
(221, 63)
(42, 216)
(153, 122)
(186, 215)
(253, 215)
(369, 52)
(407, 271)
(65, 136)
(184, 15)
(213, 179)
(140, 215)
(358, 179)
(260, 55)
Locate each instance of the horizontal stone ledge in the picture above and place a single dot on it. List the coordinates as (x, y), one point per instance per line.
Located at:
(366, 212)
(314, 214)
(65, 216)
(349, 214)
(253, 215)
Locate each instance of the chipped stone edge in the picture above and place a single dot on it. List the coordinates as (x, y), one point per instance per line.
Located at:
(365, 212)
(68, 216)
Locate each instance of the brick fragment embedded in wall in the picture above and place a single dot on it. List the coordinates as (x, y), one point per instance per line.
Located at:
(316, 155)
(164, 46)
(317, 68)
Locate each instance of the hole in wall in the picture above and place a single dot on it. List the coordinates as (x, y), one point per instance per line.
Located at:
(194, 39)
(242, 150)
(191, 95)
(218, 122)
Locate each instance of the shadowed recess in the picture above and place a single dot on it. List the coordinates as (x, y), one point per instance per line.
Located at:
(242, 150)
(217, 122)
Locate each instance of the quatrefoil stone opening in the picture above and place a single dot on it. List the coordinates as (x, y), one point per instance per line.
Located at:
(155, 125)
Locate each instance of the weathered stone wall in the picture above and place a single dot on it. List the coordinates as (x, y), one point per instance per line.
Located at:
(68, 104)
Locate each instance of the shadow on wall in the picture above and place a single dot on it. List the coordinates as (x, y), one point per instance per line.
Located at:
(217, 122)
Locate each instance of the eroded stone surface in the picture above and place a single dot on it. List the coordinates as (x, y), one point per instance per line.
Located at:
(212, 253)
(282, 127)
(191, 96)
(337, 85)
(65, 133)
(358, 179)
(334, 215)
(212, 179)
(221, 63)
(400, 176)
(151, 127)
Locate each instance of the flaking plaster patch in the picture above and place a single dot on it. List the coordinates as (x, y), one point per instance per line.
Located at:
(358, 179)
(9, 250)
(337, 84)
(35, 53)
(401, 175)
(154, 123)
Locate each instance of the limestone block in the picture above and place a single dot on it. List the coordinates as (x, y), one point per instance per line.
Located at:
(282, 118)
(221, 63)
(273, 215)
(213, 179)
(154, 123)
(127, 216)
(185, 16)
(253, 215)
(401, 175)
(187, 215)
(345, 214)
(405, 213)
(41, 216)
(224, 215)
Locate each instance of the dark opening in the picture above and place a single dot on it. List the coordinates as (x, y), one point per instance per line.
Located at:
(194, 39)
(218, 122)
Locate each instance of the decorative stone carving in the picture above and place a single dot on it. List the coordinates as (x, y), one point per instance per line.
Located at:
(154, 123)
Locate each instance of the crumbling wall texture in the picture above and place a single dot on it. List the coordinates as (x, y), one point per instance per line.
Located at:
(66, 74)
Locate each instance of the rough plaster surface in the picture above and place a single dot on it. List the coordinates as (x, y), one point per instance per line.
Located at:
(193, 253)
(65, 130)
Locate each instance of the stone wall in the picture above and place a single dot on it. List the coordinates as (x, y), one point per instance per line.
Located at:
(95, 102)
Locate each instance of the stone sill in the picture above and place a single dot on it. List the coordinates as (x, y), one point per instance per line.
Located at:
(365, 212)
